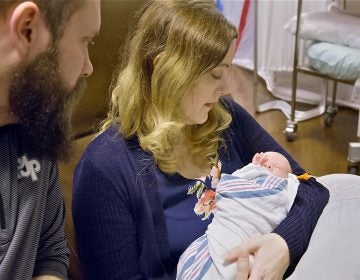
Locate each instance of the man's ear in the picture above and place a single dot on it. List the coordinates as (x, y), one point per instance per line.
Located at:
(23, 22)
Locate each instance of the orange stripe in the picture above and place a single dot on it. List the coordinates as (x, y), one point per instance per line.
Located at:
(304, 176)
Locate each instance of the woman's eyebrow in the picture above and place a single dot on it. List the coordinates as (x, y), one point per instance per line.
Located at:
(224, 64)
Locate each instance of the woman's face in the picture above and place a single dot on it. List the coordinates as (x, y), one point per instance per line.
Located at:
(206, 91)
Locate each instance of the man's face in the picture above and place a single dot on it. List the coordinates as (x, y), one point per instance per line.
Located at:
(83, 26)
(42, 103)
(43, 93)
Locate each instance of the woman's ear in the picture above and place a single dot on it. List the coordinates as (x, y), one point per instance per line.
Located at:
(157, 59)
(24, 20)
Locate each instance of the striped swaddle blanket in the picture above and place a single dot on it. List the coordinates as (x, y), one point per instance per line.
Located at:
(249, 202)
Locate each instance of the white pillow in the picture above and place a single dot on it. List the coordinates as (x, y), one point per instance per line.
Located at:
(329, 26)
(334, 249)
(337, 61)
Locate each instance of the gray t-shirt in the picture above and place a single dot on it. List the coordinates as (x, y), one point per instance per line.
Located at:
(32, 214)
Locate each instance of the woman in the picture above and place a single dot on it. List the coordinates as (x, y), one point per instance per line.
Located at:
(169, 123)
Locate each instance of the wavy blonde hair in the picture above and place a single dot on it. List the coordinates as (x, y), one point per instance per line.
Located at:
(192, 38)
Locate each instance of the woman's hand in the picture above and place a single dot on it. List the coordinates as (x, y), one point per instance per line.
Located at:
(271, 258)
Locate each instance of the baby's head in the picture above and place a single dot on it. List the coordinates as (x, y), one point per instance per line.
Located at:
(275, 162)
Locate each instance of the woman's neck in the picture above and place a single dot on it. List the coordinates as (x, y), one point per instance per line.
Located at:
(188, 168)
(190, 171)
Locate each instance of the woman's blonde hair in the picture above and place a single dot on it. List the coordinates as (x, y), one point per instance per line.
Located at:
(190, 37)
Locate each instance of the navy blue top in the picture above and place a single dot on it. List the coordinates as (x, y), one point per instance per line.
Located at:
(132, 221)
(182, 224)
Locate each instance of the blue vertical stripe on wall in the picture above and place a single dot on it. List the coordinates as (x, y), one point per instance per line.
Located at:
(219, 5)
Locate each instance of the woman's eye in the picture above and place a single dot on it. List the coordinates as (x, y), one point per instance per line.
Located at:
(216, 77)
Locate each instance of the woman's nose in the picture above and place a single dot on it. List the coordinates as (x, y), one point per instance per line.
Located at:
(225, 87)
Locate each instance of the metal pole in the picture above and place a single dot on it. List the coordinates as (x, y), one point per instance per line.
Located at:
(256, 78)
(295, 66)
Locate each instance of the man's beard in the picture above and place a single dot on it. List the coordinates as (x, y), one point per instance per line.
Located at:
(43, 105)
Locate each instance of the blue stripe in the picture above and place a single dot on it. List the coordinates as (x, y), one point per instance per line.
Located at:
(226, 177)
(191, 260)
(261, 179)
(205, 268)
(275, 182)
(251, 194)
(272, 183)
(219, 5)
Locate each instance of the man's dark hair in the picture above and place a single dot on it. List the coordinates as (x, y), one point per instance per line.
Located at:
(55, 12)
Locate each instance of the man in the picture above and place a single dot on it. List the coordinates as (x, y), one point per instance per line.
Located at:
(43, 62)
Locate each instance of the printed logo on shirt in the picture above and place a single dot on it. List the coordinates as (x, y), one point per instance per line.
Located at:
(27, 168)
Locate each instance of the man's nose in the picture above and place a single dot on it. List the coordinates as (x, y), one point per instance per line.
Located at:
(88, 68)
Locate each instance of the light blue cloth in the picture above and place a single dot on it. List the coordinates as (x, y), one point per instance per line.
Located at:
(335, 60)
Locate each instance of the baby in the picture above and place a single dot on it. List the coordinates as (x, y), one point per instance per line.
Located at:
(251, 201)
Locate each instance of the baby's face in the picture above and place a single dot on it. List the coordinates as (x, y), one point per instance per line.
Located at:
(276, 163)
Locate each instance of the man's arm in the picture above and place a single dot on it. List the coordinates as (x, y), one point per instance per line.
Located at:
(53, 255)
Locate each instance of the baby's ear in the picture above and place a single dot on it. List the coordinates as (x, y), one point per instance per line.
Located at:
(255, 159)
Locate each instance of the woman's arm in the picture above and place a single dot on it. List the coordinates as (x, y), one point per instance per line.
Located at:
(298, 226)
(312, 197)
(277, 254)
(105, 229)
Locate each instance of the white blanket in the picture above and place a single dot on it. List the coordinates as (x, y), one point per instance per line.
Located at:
(249, 202)
(334, 249)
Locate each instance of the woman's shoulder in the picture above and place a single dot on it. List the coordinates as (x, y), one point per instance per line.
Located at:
(240, 117)
(228, 103)
(110, 149)
(234, 108)
(106, 142)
